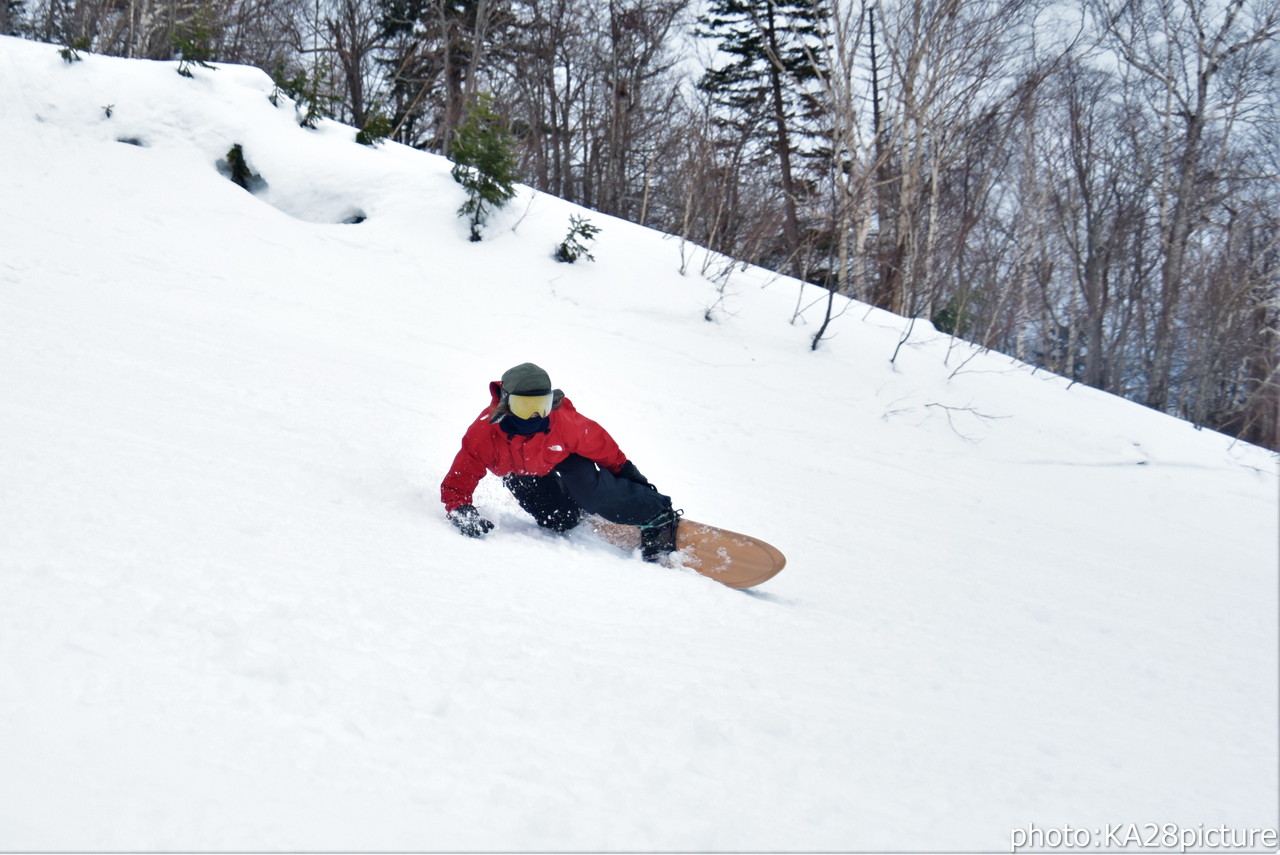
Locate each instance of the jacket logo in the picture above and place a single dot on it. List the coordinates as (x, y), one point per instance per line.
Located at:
(555, 448)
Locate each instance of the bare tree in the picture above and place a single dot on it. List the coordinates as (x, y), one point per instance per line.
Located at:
(547, 73)
(949, 80)
(354, 36)
(638, 94)
(1100, 199)
(1195, 63)
(263, 33)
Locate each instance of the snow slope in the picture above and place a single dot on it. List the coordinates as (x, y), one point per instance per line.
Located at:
(233, 616)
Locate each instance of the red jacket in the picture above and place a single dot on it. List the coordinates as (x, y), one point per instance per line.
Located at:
(486, 447)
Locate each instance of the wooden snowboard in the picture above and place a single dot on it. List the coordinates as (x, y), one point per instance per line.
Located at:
(733, 559)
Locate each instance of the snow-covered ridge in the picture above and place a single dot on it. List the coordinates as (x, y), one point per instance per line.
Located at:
(233, 616)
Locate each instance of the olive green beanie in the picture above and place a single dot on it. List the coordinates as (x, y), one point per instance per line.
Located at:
(526, 379)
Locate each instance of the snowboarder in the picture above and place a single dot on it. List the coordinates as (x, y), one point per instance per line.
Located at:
(556, 462)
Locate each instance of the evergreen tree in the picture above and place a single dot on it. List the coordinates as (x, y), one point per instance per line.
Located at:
(766, 89)
(310, 92)
(577, 243)
(10, 17)
(71, 52)
(377, 127)
(484, 162)
(433, 52)
(192, 44)
(237, 167)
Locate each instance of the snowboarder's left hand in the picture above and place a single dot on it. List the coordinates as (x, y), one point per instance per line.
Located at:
(631, 473)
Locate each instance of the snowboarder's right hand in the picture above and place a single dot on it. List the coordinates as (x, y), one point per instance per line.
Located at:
(468, 521)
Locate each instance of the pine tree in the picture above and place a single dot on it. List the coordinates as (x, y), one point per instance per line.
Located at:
(577, 243)
(377, 127)
(238, 167)
(71, 52)
(192, 45)
(10, 17)
(765, 90)
(310, 92)
(235, 167)
(432, 53)
(484, 162)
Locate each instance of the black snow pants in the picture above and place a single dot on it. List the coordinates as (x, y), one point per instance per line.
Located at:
(557, 500)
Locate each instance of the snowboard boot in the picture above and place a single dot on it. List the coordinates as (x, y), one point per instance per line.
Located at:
(658, 536)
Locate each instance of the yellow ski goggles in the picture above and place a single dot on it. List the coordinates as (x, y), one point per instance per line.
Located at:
(530, 406)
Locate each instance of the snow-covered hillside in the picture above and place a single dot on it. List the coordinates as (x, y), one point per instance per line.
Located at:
(233, 616)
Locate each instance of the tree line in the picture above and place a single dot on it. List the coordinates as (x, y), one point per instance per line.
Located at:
(1092, 187)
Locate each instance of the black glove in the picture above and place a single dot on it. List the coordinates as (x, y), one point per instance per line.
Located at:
(469, 522)
(631, 473)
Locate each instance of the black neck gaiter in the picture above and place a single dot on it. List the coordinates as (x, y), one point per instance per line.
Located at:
(525, 427)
